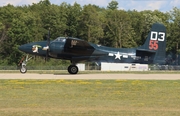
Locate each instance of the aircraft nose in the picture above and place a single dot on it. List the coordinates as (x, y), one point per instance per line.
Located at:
(33, 48)
(22, 47)
(25, 48)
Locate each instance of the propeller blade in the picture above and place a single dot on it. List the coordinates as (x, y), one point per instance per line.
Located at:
(48, 39)
(47, 47)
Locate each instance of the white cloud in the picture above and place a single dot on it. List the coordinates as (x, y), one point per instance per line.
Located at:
(101, 3)
(18, 2)
(13, 2)
(156, 5)
(174, 3)
(141, 5)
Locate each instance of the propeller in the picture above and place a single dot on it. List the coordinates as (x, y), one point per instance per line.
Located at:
(47, 47)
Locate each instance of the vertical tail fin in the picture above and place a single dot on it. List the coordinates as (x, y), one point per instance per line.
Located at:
(156, 43)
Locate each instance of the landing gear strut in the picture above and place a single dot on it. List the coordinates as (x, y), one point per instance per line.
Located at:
(73, 69)
(23, 64)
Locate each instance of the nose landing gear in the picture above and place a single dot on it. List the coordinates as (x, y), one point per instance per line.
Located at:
(23, 64)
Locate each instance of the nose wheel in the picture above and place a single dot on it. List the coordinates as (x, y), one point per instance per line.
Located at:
(23, 69)
(73, 69)
(23, 64)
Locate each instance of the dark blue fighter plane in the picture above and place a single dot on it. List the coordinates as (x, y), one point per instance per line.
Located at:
(77, 50)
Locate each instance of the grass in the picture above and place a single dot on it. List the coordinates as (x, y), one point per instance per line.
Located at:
(89, 97)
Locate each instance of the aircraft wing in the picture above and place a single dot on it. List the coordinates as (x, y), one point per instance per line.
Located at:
(78, 47)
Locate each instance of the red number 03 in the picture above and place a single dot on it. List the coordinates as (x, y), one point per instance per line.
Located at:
(153, 44)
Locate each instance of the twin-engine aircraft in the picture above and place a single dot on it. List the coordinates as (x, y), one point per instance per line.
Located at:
(77, 50)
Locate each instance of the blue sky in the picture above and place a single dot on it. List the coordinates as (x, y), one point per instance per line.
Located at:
(162, 5)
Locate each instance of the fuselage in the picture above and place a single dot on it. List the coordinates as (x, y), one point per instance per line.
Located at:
(81, 51)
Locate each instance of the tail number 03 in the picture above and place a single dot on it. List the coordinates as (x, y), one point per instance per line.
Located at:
(155, 37)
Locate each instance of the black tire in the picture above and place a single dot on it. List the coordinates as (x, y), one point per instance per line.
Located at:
(23, 69)
(73, 69)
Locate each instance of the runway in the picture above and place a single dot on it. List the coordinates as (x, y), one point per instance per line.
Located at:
(91, 76)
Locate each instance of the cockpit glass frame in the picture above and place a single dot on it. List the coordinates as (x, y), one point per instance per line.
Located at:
(60, 39)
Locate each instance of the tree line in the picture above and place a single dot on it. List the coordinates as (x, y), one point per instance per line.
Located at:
(106, 26)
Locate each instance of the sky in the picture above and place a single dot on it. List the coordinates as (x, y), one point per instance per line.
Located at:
(139, 5)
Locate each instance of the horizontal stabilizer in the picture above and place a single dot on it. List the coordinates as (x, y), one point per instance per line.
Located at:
(145, 50)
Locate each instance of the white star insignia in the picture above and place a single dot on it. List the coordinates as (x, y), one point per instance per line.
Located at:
(118, 56)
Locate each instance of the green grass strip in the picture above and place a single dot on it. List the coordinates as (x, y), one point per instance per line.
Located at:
(89, 97)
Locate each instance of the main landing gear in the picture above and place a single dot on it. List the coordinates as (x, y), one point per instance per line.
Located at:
(23, 64)
(73, 69)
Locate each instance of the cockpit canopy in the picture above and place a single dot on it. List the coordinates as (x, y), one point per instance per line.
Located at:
(60, 39)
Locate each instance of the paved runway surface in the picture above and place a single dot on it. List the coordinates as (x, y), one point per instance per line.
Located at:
(90, 76)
